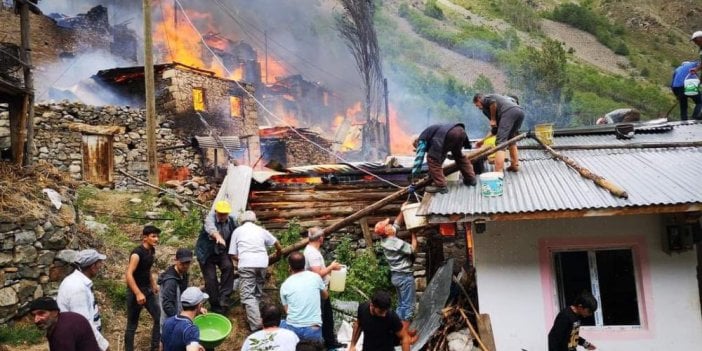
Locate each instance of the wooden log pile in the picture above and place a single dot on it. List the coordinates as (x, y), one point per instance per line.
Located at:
(320, 204)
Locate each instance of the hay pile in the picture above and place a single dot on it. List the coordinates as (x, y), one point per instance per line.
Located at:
(21, 196)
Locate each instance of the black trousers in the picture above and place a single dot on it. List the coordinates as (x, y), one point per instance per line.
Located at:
(328, 322)
(133, 312)
(682, 100)
(218, 289)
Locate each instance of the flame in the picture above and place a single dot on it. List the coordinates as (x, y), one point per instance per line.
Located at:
(272, 70)
(180, 42)
(400, 140)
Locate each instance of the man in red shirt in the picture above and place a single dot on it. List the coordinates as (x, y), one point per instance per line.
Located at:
(66, 331)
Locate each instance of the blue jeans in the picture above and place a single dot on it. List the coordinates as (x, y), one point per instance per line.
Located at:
(404, 283)
(313, 333)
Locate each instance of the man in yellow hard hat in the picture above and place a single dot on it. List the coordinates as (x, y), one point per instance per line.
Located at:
(211, 250)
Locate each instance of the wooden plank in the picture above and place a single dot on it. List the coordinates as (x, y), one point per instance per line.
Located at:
(485, 331)
(323, 213)
(312, 197)
(367, 234)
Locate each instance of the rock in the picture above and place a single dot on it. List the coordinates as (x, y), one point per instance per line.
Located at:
(38, 245)
(6, 227)
(8, 244)
(420, 283)
(43, 279)
(74, 169)
(152, 215)
(44, 150)
(25, 289)
(27, 271)
(46, 257)
(75, 156)
(96, 227)
(25, 254)
(56, 240)
(57, 273)
(39, 291)
(8, 297)
(135, 200)
(420, 273)
(25, 237)
(199, 180)
(5, 259)
(67, 256)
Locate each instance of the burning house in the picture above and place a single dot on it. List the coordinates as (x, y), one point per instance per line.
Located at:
(197, 102)
(286, 147)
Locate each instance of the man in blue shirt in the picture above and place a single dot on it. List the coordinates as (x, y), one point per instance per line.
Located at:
(179, 331)
(678, 86)
(300, 295)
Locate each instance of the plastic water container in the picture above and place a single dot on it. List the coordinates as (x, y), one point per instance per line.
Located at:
(337, 282)
(544, 132)
(490, 142)
(691, 84)
(491, 183)
(412, 221)
(453, 177)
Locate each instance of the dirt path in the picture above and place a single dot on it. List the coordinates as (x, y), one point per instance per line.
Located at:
(586, 46)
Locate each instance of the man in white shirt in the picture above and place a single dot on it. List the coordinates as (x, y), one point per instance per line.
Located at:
(249, 244)
(75, 293)
(271, 337)
(314, 261)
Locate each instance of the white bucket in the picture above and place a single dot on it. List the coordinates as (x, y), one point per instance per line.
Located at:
(337, 281)
(412, 221)
(491, 183)
(691, 84)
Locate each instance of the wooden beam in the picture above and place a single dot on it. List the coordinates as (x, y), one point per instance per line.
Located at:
(28, 79)
(613, 188)
(367, 236)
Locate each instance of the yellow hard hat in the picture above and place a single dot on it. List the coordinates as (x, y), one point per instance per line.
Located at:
(223, 206)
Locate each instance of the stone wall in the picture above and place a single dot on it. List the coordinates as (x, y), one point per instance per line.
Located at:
(5, 141)
(33, 258)
(61, 147)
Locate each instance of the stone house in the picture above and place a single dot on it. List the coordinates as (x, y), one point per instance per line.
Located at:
(288, 148)
(553, 234)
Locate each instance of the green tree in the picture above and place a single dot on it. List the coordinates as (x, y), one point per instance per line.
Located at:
(541, 75)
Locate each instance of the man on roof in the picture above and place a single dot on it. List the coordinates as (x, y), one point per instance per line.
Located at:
(697, 39)
(506, 117)
(621, 115)
(436, 141)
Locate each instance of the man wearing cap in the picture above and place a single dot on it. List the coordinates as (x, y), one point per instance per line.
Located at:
(142, 288)
(66, 331)
(75, 294)
(179, 331)
(399, 255)
(249, 245)
(314, 261)
(173, 282)
(211, 251)
(697, 39)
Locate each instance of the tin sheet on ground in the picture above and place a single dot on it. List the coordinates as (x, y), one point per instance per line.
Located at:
(428, 318)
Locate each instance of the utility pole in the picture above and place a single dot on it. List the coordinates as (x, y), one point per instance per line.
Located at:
(28, 80)
(387, 117)
(265, 36)
(150, 95)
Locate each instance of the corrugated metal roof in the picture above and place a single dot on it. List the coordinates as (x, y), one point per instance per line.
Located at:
(650, 176)
(673, 132)
(231, 142)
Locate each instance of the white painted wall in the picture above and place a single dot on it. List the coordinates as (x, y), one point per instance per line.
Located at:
(510, 290)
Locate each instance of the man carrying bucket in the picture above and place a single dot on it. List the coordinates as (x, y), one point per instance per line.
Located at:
(506, 117)
(436, 141)
(677, 85)
(179, 331)
(400, 257)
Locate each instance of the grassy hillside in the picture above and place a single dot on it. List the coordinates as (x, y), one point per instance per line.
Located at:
(557, 83)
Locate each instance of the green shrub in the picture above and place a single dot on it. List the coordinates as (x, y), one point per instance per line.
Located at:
(286, 237)
(366, 273)
(520, 15)
(116, 291)
(184, 227)
(585, 19)
(21, 333)
(432, 9)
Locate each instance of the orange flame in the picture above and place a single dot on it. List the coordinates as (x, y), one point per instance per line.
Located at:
(400, 140)
(180, 42)
(272, 70)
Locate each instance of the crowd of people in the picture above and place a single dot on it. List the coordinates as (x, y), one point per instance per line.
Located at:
(72, 320)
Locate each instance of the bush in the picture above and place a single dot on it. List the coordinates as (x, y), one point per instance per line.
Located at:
(366, 273)
(116, 291)
(520, 15)
(587, 20)
(286, 237)
(432, 9)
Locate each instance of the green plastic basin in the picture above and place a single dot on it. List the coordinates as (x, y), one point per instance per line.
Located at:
(214, 328)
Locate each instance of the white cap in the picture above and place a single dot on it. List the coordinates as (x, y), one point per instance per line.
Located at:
(87, 257)
(697, 34)
(192, 296)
